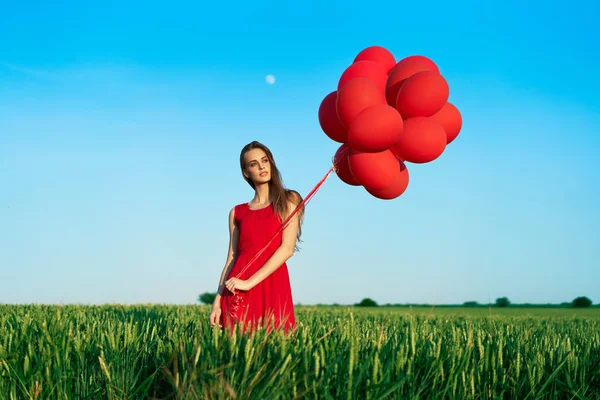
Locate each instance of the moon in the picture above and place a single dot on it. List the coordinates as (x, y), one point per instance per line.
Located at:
(270, 79)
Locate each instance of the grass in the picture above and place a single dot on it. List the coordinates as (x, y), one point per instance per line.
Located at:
(170, 352)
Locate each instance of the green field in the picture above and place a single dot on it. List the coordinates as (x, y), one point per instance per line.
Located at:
(137, 352)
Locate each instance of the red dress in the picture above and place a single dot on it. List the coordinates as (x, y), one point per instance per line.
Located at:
(268, 304)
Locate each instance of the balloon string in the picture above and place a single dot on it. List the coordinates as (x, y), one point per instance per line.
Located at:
(289, 218)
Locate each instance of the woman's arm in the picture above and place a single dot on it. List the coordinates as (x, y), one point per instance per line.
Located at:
(231, 254)
(285, 251)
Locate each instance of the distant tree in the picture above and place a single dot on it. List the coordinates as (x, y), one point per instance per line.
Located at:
(502, 302)
(582, 302)
(470, 304)
(367, 303)
(207, 298)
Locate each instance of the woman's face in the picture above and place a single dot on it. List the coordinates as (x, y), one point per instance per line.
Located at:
(258, 167)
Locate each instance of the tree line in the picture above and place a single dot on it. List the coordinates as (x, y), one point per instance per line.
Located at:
(501, 302)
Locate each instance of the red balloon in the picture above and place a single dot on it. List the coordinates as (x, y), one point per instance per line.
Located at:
(378, 54)
(396, 189)
(423, 60)
(364, 69)
(375, 129)
(356, 95)
(329, 121)
(450, 119)
(342, 168)
(398, 76)
(422, 95)
(375, 171)
(422, 141)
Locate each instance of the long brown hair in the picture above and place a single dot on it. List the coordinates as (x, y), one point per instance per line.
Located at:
(278, 194)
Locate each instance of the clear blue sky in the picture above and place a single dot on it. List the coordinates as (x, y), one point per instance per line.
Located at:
(121, 126)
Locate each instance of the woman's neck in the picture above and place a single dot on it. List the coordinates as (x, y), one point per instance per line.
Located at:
(261, 195)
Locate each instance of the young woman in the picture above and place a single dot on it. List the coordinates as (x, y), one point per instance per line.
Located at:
(259, 295)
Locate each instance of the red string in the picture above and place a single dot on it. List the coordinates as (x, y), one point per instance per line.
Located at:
(237, 302)
(288, 220)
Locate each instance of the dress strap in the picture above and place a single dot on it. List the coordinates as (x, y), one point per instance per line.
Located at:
(239, 211)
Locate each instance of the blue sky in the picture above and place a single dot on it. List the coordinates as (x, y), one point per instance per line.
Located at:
(121, 126)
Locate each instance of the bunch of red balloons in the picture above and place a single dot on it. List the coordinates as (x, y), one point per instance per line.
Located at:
(386, 113)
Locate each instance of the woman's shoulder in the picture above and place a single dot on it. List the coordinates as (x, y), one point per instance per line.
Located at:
(293, 197)
(239, 209)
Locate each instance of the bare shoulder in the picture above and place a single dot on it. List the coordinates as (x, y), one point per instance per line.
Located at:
(294, 198)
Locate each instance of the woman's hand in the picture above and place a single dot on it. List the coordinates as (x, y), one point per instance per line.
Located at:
(235, 283)
(215, 314)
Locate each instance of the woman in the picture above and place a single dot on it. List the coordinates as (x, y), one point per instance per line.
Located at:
(260, 293)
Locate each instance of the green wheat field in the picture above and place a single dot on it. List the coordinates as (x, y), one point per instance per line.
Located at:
(170, 352)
